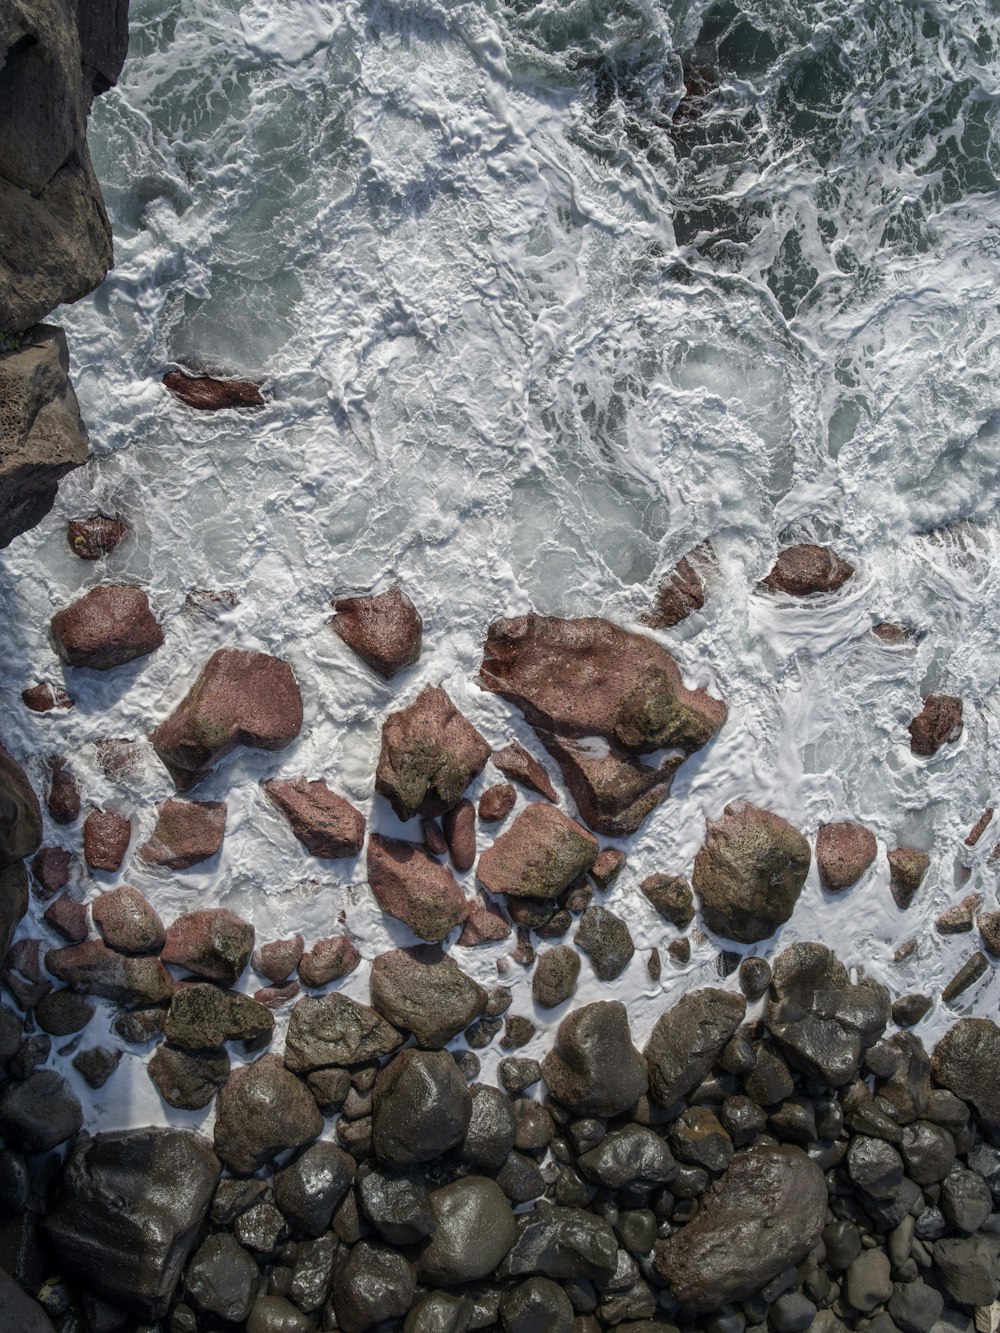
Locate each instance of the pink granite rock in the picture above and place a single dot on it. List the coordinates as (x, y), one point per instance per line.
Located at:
(326, 824)
(51, 867)
(497, 802)
(62, 797)
(186, 833)
(213, 943)
(430, 753)
(278, 959)
(411, 886)
(69, 918)
(43, 698)
(805, 569)
(844, 851)
(937, 723)
(106, 836)
(385, 630)
(515, 762)
(459, 825)
(328, 960)
(539, 856)
(485, 924)
(109, 626)
(95, 969)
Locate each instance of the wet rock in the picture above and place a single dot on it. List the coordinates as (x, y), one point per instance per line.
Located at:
(421, 1108)
(965, 1200)
(213, 943)
(754, 977)
(485, 923)
(684, 588)
(384, 630)
(687, 1039)
(326, 824)
(699, 1139)
(97, 536)
(928, 1152)
(907, 868)
(609, 865)
(915, 1307)
(13, 903)
(629, 1158)
(563, 1244)
(18, 1312)
(490, 1134)
(208, 394)
(186, 833)
(61, 1013)
(555, 976)
(335, 1030)
(413, 887)
(20, 813)
(374, 1284)
(106, 836)
(908, 1010)
(275, 1314)
(128, 921)
(127, 1210)
(222, 1278)
(328, 960)
(51, 869)
(240, 698)
(966, 1268)
(278, 959)
(516, 763)
(396, 1203)
(967, 975)
(312, 1276)
(137, 1026)
(607, 942)
(425, 992)
(203, 1016)
(749, 873)
(497, 802)
(439, 1312)
(187, 1079)
(94, 969)
(989, 929)
(262, 1110)
(311, 1187)
(844, 851)
(62, 798)
(805, 569)
(430, 753)
(937, 723)
(459, 825)
(539, 856)
(908, 1085)
(434, 840)
(593, 1068)
(40, 1112)
(110, 625)
(473, 1228)
(869, 1282)
(517, 1073)
(671, 896)
(44, 697)
(958, 919)
(979, 827)
(96, 1065)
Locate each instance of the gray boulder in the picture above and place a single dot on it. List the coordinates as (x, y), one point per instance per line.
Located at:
(310, 1188)
(562, 1243)
(222, 1278)
(966, 1061)
(375, 1283)
(261, 1111)
(335, 1030)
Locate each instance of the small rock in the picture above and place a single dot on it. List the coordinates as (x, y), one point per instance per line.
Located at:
(425, 992)
(203, 1016)
(805, 569)
(683, 590)
(515, 762)
(892, 633)
(275, 1314)
(186, 833)
(51, 867)
(517, 1073)
(434, 839)
(39, 1113)
(869, 1281)
(517, 1032)
(907, 868)
(979, 827)
(212, 943)
(606, 940)
(556, 976)
(497, 802)
(328, 960)
(262, 1110)
(44, 697)
(413, 887)
(959, 918)
(965, 1200)
(91, 538)
(485, 923)
(967, 975)
(844, 852)
(62, 797)
(61, 1013)
(937, 723)
(459, 825)
(109, 626)
(680, 952)
(754, 977)
(69, 918)
(222, 1278)
(278, 959)
(396, 1203)
(335, 1030)
(384, 630)
(908, 1010)
(275, 997)
(564, 1244)
(629, 1158)
(593, 1068)
(671, 896)
(187, 1079)
(128, 921)
(326, 824)
(208, 394)
(96, 1065)
(93, 968)
(539, 856)
(106, 836)
(137, 1026)
(609, 865)
(311, 1187)
(430, 753)
(473, 1231)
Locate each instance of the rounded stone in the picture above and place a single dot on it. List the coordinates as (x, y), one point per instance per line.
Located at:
(261, 1111)
(537, 1305)
(222, 1278)
(421, 1107)
(473, 1230)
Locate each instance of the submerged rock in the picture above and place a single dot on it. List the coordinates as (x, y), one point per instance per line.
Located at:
(805, 569)
(186, 833)
(384, 630)
(91, 538)
(844, 851)
(539, 856)
(44, 697)
(424, 991)
(109, 626)
(684, 589)
(326, 824)
(430, 753)
(262, 1110)
(414, 887)
(937, 723)
(593, 1068)
(207, 394)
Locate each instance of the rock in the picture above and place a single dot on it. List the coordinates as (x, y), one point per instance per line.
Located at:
(108, 626)
(127, 1210)
(326, 824)
(187, 1080)
(374, 1284)
(539, 856)
(966, 1268)
(68, 917)
(240, 698)
(967, 975)
(473, 1229)
(91, 538)
(459, 825)
(222, 1278)
(764, 1214)
(563, 1244)
(137, 1026)
(207, 394)
(18, 1312)
(106, 836)
(958, 918)
(202, 1016)
(275, 1314)
(518, 1073)
(96, 1065)
(805, 569)
(518, 1031)
(434, 840)
(908, 1086)
(683, 590)
(749, 873)
(869, 1281)
(907, 868)
(44, 697)
(671, 896)
(213, 943)
(965, 1200)
(844, 852)
(593, 1068)
(20, 813)
(629, 1158)
(425, 992)
(311, 1187)
(261, 1111)
(40, 1112)
(754, 977)
(928, 1152)
(515, 762)
(51, 869)
(576, 680)
(421, 1108)
(908, 1010)
(430, 753)
(485, 923)
(278, 959)
(439, 1312)
(937, 723)
(275, 997)
(63, 796)
(491, 1130)
(94, 969)
(329, 960)
(966, 1061)
(915, 1307)
(396, 1204)
(384, 630)
(610, 863)
(607, 942)
(555, 976)
(335, 1030)
(413, 887)
(186, 833)
(61, 1013)
(128, 921)
(687, 1039)
(497, 802)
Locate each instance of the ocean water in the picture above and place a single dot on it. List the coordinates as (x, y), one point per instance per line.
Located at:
(542, 294)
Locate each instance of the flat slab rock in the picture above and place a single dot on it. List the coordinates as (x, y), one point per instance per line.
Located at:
(430, 753)
(326, 824)
(385, 630)
(107, 627)
(186, 833)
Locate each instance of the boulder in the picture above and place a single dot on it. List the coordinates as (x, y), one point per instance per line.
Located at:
(497, 802)
(20, 813)
(421, 1108)
(937, 723)
(40, 1112)
(187, 1080)
(607, 942)
(966, 1061)
(328, 960)
(128, 921)
(312, 1186)
(213, 943)
(208, 394)
(202, 1016)
(96, 536)
(515, 762)
(240, 698)
(539, 856)
(326, 824)
(384, 630)
(107, 627)
(106, 836)
(424, 991)
(94, 969)
(473, 1228)
(684, 589)
(563, 1244)
(335, 1030)
(593, 1068)
(414, 887)
(687, 1039)
(374, 1284)
(186, 833)
(966, 1268)
(805, 569)
(263, 1110)
(126, 1212)
(907, 869)
(844, 851)
(749, 873)
(430, 753)
(762, 1216)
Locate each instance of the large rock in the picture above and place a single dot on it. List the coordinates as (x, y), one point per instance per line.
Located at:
(202, 1016)
(430, 753)
(127, 1210)
(39, 1113)
(563, 1243)
(762, 1216)
(421, 1107)
(326, 824)
(384, 630)
(41, 434)
(424, 991)
(335, 1030)
(805, 569)
(128, 921)
(593, 1068)
(966, 1061)
(240, 698)
(108, 626)
(261, 1111)
(539, 856)
(684, 588)
(375, 1283)
(584, 681)
(687, 1038)
(94, 969)
(473, 1230)
(186, 833)
(18, 1312)
(750, 872)
(414, 887)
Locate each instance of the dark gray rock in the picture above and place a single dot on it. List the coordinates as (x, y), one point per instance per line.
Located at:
(234, 1196)
(518, 1073)
(275, 1314)
(699, 1139)
(396, 1203)
(309, 1189)
(440, 1312)
(374, 1284)
(222, 1278)
(562, 1243)
(187, 1080)
(966, 1268)
(424, 991)
(520, 1178)
(97, 1064)
(687, 1039)
(473, 1228)
(312, 1275)
(18, 1312)
(39, 1113)
(534, 1306)
(492, 1125)
(630, 1158)
(20, 814)
(873, 1166)
(261, 1111)
(928, 1151)
(792, 1312)
(607, 942)
(421, 1108)
(965, 1200)
(593, 1068)
(966, 1061)
(335, 1030)
(62, 1012)
(869, 1283)
(915, 1307)
(202, 1016)
(754, 977)
(262, 1229)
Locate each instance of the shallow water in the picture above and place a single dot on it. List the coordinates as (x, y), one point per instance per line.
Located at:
(531, 325)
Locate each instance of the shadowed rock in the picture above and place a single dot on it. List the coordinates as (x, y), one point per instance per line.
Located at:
(430, 753)
(384, 630)
(108, 626)
(212, 395)
(262, 1110)
(805, 569)
(187, 1080)
(94, 969)
(20, 836)
(186, 833)
(413, 887)
(326, 824)
(40, 1112)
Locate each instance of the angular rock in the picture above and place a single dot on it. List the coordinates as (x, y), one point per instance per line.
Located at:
(966, 1061)
(222, 1278)
(326, 824)
(213, 943)
(491, 1130)
(515, 762)
(485, 923)
(937, 723)
(687, 1039)
(187, 1080)
(421, 1108)
(51, 868)
(607, 942)
(671, 896)
(328, 960)
(497, 802)
(593, 1068)
(539, 856)
(989, 928)
(555, 976)
(278, 959)
(110, 625)
(68, 917)
(966, 1268)
(610, 863)
(20, 813)
(240, 698)
(473, 1231)
(844, 851)
(967, 975)
(430, 753)
(563, 1244)
(629, 1158)
(91, 538)
(907, 868)
(62, 798)
(384, 630)
(425, 992)
(202, 1016)
(396, 1203)
(373, 1285)
(40, 1112)
(44, 697)
(683, 590)
(94, 969)
(413, 887)
(958, 918)
(207, 394)
(311, 1187)
(137, 1026)
(805, 569)
(106, 836)
(186, 833)
(128, 921)
(335, 1030)
(262, 1110)
(749, 873)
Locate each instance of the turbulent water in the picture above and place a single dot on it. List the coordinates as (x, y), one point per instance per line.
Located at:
(543, 294)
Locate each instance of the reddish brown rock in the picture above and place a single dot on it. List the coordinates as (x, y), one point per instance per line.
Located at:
(515, 762)
(328, 960)
(539, 856)
(385, 630)
(118, 757)
(107, 627)
(937, 723)
(844, 851)
(276, 996)
(989, 928)
(600, 697)
(326, 824)
(979, 827)
(424, 991)
(69, 918)
(240, 698)
(891, 633)
(609, 865)
(907, 868)
(459, 825)
(278, 959)
(207, 394)
(671, 896)
(434, 840)
(956, 920)
(106, 836)
(213, 943)
(497, 802)
(128, 921)
(186, 833)
(484, 924)
(90, 538)
(95, 969)
(684, 589)
(805, 569)
(63, 795)
(411, 886)
(430, 754)
(51, 867)
(213, 603)
(42, 698)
